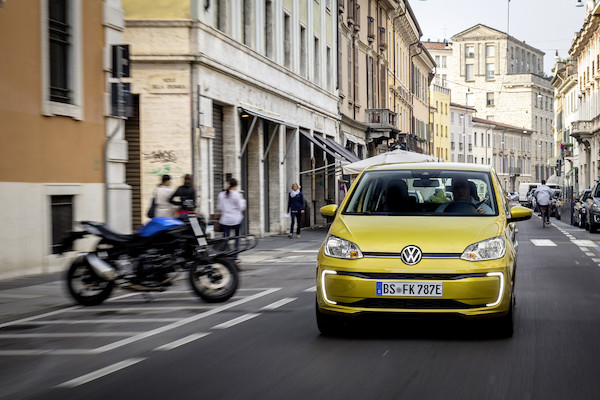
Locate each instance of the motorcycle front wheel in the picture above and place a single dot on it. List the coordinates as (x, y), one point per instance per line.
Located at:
(87, 288)
(215, 282)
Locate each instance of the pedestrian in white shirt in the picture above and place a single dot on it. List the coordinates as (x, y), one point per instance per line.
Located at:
(163, 206)
(231, 204)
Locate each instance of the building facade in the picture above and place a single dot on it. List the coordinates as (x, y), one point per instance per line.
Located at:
(383, 77)
(440, 122)
(566, 114)
(502, 77)
(506, 148)
(585, 51)
(65, 154)
(442, 54)
(241, 89)
(461, 133)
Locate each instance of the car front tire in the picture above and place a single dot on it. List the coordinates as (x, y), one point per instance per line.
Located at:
(329, 325)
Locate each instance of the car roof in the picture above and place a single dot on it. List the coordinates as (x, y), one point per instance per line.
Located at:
(430, 166)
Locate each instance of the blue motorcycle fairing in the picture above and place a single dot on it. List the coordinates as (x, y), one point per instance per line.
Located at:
(158, 224)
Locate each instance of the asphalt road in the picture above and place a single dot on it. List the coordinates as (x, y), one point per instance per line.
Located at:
(264, 344)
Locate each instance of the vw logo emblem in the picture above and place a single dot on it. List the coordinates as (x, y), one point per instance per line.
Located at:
(411, 255)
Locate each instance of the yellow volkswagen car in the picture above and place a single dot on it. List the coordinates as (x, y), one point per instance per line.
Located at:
(423, 238)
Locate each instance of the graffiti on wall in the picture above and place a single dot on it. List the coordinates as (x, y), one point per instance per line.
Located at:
(161, 156)
(167, 169)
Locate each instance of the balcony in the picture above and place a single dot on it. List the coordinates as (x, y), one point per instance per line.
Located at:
(514, 171)
(381, 118)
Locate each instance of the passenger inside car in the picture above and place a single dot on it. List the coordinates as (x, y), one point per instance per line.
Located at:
(397, 198)
(465, 199)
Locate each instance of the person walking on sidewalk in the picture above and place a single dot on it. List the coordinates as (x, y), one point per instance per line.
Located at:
(187, 197)
(231, 204)
(163, 194)
(295, 208)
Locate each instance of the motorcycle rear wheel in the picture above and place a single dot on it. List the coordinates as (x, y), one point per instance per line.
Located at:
(215, 282)
(87, 288)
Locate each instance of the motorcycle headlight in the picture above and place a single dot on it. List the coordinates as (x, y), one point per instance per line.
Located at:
(489, 249)
(341, 248)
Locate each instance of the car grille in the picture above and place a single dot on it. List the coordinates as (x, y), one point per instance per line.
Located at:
(385, 275)
(411, 304)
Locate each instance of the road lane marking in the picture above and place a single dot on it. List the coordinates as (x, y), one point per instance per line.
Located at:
(149, 308)
(584, 243)
(183, 322)
(28, 319)
(279, 303)
(306, 251)
(100, 373)
(236, 321)
(101, 321)
(311, 289)
(181, 342)
(65, 335)
(542, 242)
(589, 254)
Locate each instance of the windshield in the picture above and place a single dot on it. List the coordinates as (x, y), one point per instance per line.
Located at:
(419, 192)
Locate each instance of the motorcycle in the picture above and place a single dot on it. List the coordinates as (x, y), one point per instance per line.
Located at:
(151, 259)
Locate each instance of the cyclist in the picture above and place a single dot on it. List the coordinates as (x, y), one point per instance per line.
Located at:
(542, 195)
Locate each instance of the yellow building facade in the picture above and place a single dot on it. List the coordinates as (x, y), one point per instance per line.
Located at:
(440, 121)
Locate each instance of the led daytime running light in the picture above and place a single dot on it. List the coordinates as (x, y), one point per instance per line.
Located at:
(500, 289)
(323, 291)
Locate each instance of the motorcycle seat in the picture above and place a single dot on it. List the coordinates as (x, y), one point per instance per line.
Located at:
(108, 233)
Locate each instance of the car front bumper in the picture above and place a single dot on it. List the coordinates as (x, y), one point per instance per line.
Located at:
(470, 289)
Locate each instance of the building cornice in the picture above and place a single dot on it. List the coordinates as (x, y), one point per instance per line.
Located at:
(159, 23)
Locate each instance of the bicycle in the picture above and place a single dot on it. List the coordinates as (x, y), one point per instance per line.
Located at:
(545, 215)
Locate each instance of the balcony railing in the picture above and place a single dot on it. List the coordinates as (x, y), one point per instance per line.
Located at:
(381, 118)
(514, 170)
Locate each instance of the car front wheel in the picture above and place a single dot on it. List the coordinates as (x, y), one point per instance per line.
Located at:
(329, 325)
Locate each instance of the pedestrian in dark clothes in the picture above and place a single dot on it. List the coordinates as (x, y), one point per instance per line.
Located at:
(295, 208)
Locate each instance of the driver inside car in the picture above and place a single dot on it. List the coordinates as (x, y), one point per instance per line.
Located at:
(461, 192)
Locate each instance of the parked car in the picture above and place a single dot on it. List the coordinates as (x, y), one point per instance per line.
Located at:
(513, 196)
(592, 213)
(579, 211)
(385, 254)
(556, 203)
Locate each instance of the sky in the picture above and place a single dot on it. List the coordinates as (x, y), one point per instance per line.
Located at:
(548, 25)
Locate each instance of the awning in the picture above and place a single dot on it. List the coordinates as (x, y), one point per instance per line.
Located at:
(244, 110)
(351, 138)
(320, 145)
(339, 149)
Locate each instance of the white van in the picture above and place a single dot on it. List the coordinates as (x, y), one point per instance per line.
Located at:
(524, 188)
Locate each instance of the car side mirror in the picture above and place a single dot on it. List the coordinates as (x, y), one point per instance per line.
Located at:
(328, 210)
(519, 213)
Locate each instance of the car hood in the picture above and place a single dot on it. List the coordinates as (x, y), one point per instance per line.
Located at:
(390, 234)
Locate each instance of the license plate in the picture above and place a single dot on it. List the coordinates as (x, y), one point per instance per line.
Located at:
(410, 289)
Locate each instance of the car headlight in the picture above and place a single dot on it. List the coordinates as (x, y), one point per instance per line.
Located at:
(594, 207)
(489, 249)
(341, 248)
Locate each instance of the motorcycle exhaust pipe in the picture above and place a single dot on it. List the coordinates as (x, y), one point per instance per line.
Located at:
(101, 267)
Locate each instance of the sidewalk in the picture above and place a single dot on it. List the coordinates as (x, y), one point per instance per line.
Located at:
(20, 297)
